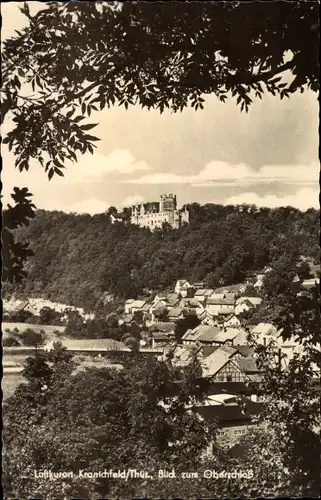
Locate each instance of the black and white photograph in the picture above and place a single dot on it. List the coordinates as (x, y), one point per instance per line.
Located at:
(160, 250)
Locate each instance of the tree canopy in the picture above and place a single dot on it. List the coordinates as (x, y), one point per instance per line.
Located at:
(141, 417)
(74, 58)
(79, 257)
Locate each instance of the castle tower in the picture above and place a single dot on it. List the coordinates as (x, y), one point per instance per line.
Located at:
(168, 203)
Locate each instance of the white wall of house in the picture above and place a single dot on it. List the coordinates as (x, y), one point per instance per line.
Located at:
(240, 308)
(215, 309)
(234, 321)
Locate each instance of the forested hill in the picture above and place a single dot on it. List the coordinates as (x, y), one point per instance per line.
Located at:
(77, 257)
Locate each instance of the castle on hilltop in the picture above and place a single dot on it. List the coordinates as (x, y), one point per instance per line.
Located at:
(153, 215)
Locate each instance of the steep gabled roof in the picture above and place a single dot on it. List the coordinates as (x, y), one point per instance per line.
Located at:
(183, 282)
(247, 365)
(228, 334)
(209, 333)
(184, 354)
(264, 329)
(20, 305)
(213, 363)
(192, 303)
(175, 312)
(192, 335)
(172, 299)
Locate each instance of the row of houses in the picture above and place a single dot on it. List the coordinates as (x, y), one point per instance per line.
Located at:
(209, 306)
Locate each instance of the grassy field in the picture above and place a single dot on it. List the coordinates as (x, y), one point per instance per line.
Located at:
(48, 329)
(9, 383)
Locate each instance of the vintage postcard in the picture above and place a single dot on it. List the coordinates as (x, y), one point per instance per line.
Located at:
(160, 250)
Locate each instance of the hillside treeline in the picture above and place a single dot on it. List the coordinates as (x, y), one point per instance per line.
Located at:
(79, 257)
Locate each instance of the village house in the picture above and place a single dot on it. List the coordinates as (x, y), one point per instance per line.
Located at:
(310, 283)
(192, 306)
(172, 300)
(228, 320)
(117, 218)
(199, 285)
(220, 306)
(183, 355)
(206, 318)
(202, 334)
(231, 336)
(176, 314)
(219, 366)
(202, 294)
(259, 281)
(181, 287)
(127, 305)
(234, 419)
(18, 306)
(161, 339)
(264, 333)
(156, 312)
(244, 304)
(131, 306)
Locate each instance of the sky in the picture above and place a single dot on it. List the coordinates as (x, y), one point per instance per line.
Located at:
(217, 155)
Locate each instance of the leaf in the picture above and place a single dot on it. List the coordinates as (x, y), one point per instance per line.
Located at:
(88, 126)
(91, 138)
(51, 173)
(70, 113)
(59, 172)
(83, 108)
(58, 164)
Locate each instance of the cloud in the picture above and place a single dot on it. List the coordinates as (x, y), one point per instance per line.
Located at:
(118, 161)
(88, 170)
(89, 206)
(303, 199)
(132, 200)
(157, 178)
(218, 173)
